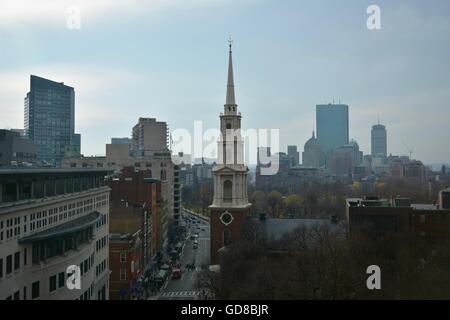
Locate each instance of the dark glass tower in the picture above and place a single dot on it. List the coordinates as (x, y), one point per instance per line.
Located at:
(49, 118)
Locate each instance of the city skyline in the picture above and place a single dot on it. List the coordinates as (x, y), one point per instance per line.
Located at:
(395, 73)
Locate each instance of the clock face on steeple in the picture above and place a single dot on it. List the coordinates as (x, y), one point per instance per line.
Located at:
(226, 218)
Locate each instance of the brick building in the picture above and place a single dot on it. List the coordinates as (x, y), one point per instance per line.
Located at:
(138, 226)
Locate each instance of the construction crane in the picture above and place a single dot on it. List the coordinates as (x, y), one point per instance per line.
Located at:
(409, 150)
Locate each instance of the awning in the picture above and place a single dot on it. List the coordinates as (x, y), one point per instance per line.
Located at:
(72, 226)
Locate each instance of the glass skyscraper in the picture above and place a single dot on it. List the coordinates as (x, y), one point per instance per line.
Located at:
(332, 126)
(49, 118)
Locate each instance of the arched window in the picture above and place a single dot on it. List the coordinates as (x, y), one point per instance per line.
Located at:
(227, 191)
(228, 125)
(226, 237)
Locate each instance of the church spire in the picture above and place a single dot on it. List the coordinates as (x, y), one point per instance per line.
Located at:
(230, 100)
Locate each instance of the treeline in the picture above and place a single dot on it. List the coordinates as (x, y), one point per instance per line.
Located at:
(323, 263)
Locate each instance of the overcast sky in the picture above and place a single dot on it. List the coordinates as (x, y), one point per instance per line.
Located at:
(168, 58)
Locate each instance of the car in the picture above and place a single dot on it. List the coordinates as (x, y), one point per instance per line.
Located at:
(192, 236)
(176, 273)
(203, 229)
(195, 245)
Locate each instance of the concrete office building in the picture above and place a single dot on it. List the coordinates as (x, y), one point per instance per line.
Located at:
(15, 149)
(51, 219)
(379, 141)
(49, 118)
(332, 126)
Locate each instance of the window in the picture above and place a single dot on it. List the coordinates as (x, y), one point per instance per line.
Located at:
(227, 191)
(17, 260)
(52, 284)
(25, 256)
(85, 266)
(9, 264)
(35, 290)
(123, 257)
(61, 279)
(123, 274)
(24, 293)
(1, 268)
(226, 237)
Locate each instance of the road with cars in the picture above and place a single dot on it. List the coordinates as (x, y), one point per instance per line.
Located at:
(185, 287)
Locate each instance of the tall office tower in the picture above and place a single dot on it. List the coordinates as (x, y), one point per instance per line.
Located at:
(332, 126)
(49, 118)
(294, 156)
(149, 136)
(379, 141)
(230, 206)
(52, 221)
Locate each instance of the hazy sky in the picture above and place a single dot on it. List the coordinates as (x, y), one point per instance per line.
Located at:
(168, 59)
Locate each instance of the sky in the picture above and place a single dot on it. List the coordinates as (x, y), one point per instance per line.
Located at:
(167, 59)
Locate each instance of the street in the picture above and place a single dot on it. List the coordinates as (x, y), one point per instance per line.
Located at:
(185, 287)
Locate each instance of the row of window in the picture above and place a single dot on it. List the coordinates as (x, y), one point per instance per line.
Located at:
(88, 293)
(57, 281)
(43, 218)
(101, 243)
(101, 267)
(87, 264)
(12, 263)
(35, 292)
(103, 221)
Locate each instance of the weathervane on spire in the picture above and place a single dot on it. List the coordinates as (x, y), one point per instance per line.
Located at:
(230, 41)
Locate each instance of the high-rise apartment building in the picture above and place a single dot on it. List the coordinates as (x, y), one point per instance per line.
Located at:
(332, 126)
(49, 118)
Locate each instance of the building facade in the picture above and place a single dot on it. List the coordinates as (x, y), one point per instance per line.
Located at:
(50, 220)
(49, 118)
(230, 206)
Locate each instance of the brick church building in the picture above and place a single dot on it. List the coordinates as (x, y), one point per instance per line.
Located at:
(230, 207)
